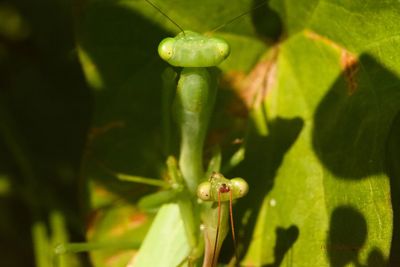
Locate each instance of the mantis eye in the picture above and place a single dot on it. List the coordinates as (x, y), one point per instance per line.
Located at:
(223, 49)
(166, 48)
(239, 187)
(204, 191)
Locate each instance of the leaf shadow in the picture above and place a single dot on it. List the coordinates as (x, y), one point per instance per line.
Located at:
(347, 235)
(285, 239)
(393, 169)
(355, 136)
(127, 113)
(266, 21)
(352, 120)
(268, 152)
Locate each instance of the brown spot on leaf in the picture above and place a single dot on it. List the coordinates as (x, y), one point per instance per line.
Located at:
(252, 89)
(244, 93)
(350, 67)
(137, 219)
(348, 60)
(315, 36)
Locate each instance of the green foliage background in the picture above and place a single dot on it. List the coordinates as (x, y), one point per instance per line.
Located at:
(81, 95)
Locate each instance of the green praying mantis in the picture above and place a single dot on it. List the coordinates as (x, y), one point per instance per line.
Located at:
(202, 199)
(198, 55)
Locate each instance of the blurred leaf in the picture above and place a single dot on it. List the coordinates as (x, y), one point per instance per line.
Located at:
(122, 227)
(165, 244)
(12, 24)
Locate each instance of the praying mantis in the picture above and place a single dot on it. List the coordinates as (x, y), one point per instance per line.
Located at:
(203, 198)
(198, 55)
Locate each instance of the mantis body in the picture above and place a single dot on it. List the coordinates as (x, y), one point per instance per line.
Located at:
(198, 55)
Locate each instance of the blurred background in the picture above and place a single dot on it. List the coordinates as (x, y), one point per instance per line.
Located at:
(45, 112)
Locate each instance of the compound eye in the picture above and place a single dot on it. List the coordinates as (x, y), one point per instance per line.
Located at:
(166, 48)
(223, 49)
(204, 191)
(240, 187)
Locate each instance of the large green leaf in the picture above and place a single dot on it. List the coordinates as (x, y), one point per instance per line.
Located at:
(330, 110)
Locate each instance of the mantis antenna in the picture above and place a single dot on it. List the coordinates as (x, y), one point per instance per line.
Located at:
(213, 30)
(238, 17)
(165, 15)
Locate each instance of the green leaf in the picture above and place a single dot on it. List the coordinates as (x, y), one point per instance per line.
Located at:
(166, 243)
(326, 192)
(117, 231)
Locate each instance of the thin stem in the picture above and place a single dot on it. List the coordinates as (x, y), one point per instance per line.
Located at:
(142, 180)
(132, 178)
(83, 247)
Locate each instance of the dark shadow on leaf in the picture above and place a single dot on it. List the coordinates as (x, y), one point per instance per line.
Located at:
(347, 236)
(393, 168)
(285, 239)
(267, 22)
(352, 121)
(263, 157)
(356, 134)
(118, 40)
(376, 259)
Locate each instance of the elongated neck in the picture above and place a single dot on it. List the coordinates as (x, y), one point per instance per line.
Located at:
(193, 106)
